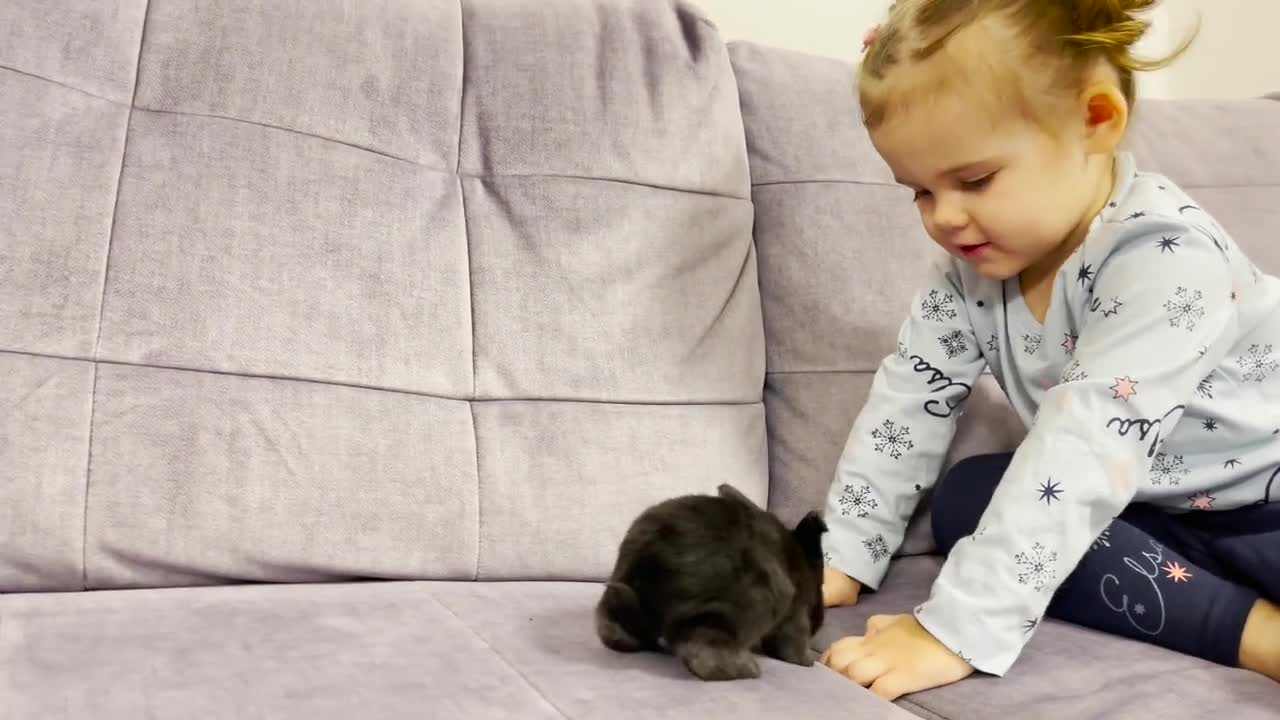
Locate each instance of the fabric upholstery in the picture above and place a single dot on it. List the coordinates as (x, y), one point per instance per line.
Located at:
(44, 441)
(392, 290)
(456, 651)
(61, 158)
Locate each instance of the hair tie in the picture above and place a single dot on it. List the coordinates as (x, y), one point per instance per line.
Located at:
(870, 37)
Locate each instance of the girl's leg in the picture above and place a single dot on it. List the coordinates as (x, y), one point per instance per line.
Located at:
(1146, 578)
(1247, 541)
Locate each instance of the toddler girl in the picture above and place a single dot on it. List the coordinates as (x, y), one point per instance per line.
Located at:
(1134, 338)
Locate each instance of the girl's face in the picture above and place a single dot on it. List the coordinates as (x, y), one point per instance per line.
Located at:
(1006, 196)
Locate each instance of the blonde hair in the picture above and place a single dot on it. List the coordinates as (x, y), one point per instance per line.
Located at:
(1035, 54)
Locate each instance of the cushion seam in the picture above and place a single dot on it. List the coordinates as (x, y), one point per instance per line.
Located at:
(62, 84)
(386, 389)
(443, 171)
(102, 303)
(505, 661)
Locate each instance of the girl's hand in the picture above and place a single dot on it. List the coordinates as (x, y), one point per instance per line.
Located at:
(838, 588)
(897, 656)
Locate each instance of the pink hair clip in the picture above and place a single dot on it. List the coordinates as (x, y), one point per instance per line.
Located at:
(870, 37)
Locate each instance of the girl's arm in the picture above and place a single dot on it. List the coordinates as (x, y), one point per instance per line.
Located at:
(900, 438)
(1094, 438)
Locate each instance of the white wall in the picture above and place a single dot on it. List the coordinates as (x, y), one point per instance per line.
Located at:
(1237, 53)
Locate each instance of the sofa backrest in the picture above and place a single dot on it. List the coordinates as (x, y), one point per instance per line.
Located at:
(297, 291)
(841, 247)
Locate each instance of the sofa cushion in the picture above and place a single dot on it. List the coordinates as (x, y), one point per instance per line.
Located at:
(1066, 672)
(389, 650)
(345, 290)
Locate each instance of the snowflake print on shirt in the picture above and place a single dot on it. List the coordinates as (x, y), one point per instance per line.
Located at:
(1167, 244)
(857, 501)
(1030, 343)
(1168, 469)
(1036, 567)
(1073, 372)
(953, 344)
(1085, 275)
(938, 306)
(876, 547)
(1205, 387)
(1185, 308)
(1257, 363)
(894, 438)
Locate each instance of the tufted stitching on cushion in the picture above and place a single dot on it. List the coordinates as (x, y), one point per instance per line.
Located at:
(102, 296)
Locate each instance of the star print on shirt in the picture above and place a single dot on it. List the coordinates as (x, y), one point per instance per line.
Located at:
(1125, 388)
(1177, 573)
(1201, 501)
(1096, 306)
(1069, 343)
(993, 344)
(1085, 275)
(1167, 244)
(1049, 491)
(1136, 215)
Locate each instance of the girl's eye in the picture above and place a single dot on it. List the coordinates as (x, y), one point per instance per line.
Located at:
(979, 183)
(920, 194)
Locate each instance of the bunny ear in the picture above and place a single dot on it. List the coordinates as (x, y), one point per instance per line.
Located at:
(726, 490)
(808, 532)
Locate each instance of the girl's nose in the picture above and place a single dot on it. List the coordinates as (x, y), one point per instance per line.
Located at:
(949, 213)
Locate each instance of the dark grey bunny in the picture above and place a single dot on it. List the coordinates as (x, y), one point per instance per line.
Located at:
(714, 579)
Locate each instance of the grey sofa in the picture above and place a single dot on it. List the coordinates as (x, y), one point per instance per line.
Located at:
(340, 342)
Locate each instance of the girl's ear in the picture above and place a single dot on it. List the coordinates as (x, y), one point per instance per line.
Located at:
(1106, 116)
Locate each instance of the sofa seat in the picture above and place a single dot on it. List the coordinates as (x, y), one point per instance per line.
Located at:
(376, 650)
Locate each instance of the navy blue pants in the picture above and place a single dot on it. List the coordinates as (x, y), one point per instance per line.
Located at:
(1185, 582)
